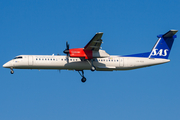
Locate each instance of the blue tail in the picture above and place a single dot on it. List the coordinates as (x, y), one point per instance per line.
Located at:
(163, 46)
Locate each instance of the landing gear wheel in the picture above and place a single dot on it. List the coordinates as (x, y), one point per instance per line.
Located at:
(12, 72)
(82, 75)
(93, 68)
(83, 79)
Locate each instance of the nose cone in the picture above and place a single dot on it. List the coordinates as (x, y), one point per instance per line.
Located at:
(7, 65)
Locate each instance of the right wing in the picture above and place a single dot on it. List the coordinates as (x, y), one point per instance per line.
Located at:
(95, 43)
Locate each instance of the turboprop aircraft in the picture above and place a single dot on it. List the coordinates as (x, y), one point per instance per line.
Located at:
(91, 57)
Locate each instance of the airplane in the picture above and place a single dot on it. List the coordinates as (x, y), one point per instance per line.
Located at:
(91, 57)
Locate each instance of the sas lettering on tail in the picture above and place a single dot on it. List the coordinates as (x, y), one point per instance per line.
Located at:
(160, 52)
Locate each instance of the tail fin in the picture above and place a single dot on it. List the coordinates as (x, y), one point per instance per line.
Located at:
(163, 46)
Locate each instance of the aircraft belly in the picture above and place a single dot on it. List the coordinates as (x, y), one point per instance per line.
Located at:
(75, 65)
(62, 65)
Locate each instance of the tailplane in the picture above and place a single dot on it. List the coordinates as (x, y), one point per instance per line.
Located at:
(163, 46)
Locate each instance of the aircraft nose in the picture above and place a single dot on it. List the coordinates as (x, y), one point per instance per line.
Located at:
(7, 65)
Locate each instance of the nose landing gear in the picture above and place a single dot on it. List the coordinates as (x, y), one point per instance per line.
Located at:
(12, 71)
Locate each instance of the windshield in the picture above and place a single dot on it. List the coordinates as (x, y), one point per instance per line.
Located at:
(18, 57)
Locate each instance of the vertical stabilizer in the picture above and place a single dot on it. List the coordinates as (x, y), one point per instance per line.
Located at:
(163, 46)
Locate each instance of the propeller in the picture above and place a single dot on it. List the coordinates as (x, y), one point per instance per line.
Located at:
(66, 51)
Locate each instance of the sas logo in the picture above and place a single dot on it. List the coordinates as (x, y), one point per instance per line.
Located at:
(160, 52)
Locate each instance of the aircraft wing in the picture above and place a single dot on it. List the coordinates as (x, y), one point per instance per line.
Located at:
(95, 43)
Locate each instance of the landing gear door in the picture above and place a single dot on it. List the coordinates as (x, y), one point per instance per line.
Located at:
(121, 61)
(30, 60)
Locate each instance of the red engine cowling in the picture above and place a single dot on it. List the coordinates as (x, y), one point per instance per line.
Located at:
(80, 52)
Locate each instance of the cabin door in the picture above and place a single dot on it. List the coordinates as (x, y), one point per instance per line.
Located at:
(30, 61)
(121, 62)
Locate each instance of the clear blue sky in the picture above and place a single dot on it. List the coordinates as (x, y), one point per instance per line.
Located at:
(129, 26)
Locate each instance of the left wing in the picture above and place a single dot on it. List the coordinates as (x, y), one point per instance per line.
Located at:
(95, 42)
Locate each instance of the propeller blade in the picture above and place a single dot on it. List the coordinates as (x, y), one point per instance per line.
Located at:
(67, 45)
(66, 51)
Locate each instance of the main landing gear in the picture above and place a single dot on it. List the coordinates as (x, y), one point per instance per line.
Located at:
(12, 71)
(82, 75)
(93, 68)
(81, 72)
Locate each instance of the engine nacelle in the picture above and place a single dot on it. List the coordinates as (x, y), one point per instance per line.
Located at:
(87, 54)
(80, 52)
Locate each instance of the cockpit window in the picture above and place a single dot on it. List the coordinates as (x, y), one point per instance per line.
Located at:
(19, 57)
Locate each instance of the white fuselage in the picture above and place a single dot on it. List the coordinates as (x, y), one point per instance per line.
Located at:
(70, 63)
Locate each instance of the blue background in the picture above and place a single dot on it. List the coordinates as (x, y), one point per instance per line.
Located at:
(42, 27)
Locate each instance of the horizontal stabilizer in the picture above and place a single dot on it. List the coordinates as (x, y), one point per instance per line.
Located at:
(170, 33)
